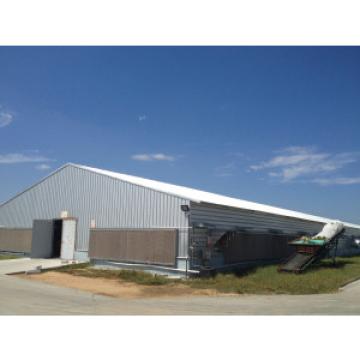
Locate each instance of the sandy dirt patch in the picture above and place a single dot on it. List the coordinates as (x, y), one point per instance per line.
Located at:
(115, 287)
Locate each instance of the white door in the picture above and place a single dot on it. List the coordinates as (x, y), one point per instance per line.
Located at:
(68, 238)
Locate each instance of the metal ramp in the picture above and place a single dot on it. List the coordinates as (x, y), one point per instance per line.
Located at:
(306, 255)
(296, 263)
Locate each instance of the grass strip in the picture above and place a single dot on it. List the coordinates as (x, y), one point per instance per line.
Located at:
(8, 257)
(322, 278)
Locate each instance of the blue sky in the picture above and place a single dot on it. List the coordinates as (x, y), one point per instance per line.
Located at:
(277, 125)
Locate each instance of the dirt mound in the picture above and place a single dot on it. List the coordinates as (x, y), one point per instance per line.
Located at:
(115, 287)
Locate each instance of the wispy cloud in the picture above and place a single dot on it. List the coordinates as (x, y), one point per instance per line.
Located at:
(338, 181)
(298, 162)
(142, 117)
(5, 118)
(17, 158)
(225, 170)
(43, 167)
(239, 156)
(153, 157)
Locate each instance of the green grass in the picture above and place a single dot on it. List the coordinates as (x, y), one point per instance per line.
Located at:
(8, 257)
(323, 278)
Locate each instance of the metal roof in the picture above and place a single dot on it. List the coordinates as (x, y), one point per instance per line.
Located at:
(207, 197)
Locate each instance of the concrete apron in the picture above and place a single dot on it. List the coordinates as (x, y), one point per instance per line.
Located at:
(20, 296)
(14, 266)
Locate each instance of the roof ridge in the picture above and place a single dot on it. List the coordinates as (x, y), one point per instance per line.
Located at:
(191, 194)
(199, 196)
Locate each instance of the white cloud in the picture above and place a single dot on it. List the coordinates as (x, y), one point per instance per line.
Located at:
(225, 170)
(338, 181)
(5, 119)
(142, 157)
(304, 162)
(142, 117)
(152, 157)
(43, 167)
(17, 158)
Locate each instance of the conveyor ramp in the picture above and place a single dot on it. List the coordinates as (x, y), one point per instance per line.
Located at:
(311, 251)
(296, 263)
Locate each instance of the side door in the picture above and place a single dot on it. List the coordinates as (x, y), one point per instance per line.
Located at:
(42, 239)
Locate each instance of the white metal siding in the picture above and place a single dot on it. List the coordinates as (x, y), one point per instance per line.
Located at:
(228, 218)
(86, 195)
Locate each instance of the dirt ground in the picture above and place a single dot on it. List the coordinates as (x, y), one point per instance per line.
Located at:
(116, 288)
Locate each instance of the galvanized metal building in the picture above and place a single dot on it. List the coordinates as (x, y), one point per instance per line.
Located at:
(126, 219)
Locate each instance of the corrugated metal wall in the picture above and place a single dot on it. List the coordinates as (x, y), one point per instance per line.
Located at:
(229, 218)
(110, 202)
(149, 246)
(114, 203)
